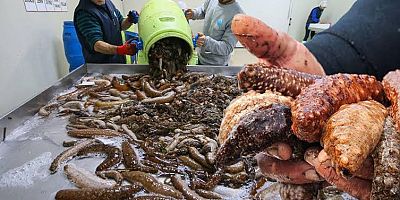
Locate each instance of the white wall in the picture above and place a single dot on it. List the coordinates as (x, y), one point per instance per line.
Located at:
(302, 8)
(300, 11)
(32, 53)
(335, 10)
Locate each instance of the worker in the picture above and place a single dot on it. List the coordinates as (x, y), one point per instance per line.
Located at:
(98, 24)
(216, 42)
(313, 18)
(365, 40)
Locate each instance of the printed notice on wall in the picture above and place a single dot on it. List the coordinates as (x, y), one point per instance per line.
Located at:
(41, 5)
(46, 5)
(30, 5)
(49, 5)
(57, 5)
(63, 4)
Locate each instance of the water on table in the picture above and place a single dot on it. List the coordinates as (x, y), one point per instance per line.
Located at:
(27, 152)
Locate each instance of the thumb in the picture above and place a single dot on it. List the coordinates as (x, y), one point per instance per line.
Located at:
(277, 48)
(357, 187)
(280, 150)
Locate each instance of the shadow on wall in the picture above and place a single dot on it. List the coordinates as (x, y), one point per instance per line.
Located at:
(61, 62)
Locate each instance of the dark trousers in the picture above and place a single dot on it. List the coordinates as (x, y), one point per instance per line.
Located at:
(308, 33)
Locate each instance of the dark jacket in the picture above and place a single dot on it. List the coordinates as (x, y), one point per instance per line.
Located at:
(366, 40)
(314, 16)
(111, 29)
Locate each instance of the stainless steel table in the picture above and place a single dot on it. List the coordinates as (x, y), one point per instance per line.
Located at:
(30, 143)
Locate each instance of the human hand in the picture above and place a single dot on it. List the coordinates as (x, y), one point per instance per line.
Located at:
(276, 163)
(358, 186)
(128, 48)
(274, 47)
(324, 22)
(133, 16)
(201, 39)
(189, 14)
(316, 167)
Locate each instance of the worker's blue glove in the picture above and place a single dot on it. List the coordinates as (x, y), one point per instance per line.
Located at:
(196, 37)
(133, 16)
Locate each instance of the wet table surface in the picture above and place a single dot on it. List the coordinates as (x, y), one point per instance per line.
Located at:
(29, 149)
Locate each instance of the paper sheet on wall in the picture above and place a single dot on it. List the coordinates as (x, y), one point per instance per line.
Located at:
(49, 5)
(57, 5)
(64, 7)
(41, 5)
(30, 5)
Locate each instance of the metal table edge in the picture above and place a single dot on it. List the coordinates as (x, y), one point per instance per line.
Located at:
(137, 68)
(29, 108)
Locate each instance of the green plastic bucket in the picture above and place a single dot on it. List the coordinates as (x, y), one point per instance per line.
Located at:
(160, 19)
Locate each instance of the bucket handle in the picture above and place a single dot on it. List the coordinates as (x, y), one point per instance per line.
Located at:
(167, 19)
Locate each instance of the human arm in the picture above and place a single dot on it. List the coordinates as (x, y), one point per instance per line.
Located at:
(363, 41)
(222, 47)
(197, 13)
(125, 24)
(133, 18)
(105, 48)
(90, 29)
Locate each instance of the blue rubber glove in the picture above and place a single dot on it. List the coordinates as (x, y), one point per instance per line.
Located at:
(196, 37)
(133, 16)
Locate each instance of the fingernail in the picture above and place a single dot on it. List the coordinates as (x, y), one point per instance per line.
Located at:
(312, 175)
(324, 158)
(273, 152)
(310, 156)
